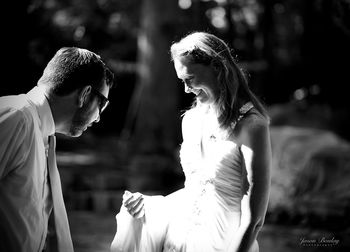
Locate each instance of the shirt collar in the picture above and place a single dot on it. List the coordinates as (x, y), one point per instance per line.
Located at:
(38, 98)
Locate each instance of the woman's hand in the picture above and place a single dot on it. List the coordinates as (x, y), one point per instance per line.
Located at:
(134, 204)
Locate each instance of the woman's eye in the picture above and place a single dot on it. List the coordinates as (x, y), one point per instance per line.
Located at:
(188, 80)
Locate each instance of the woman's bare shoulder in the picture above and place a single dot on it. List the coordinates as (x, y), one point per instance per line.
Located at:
(251, 127)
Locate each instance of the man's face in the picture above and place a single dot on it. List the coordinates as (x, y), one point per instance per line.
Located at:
(90, 112)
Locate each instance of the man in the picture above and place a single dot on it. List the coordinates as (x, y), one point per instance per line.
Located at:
(69, 97)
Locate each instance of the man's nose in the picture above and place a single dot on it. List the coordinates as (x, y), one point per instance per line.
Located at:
(98, 118)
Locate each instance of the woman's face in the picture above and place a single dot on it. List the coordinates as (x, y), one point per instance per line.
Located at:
(198, 79)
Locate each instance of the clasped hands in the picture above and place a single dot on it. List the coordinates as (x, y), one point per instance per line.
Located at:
(134, 204)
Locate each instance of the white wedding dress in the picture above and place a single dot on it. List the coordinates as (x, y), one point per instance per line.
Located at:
(203, 216)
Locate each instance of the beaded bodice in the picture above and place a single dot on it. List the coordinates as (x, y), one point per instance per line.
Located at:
(212, 166)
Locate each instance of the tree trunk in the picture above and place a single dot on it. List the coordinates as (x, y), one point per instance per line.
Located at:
(153, 123)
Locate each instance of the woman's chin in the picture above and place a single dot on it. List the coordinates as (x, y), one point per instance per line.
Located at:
(204, 100)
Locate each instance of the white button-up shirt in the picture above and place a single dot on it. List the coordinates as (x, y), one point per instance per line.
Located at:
(25, 200)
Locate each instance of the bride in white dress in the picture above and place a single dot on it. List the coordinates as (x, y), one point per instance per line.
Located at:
(225, 156)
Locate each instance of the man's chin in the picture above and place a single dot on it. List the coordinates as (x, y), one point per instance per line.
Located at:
(76, 132)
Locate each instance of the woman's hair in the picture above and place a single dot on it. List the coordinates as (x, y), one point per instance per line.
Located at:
(72, 68)
(207, 49)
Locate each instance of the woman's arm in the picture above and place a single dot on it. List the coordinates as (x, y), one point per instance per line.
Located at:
(256, 150)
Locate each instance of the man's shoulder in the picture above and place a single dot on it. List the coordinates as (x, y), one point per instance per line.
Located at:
(15, 109)
(16, 102)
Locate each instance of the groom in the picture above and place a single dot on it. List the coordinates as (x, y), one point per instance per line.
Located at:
(69, 97)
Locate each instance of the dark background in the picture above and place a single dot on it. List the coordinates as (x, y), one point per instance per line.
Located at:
(296, 53)
(284, 45)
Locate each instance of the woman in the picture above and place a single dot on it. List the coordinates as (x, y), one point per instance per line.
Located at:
(226, 158)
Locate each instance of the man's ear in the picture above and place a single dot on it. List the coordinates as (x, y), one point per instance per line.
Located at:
(83, 95)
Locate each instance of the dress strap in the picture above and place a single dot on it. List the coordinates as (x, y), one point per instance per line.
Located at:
(242, 112)
(245, 109)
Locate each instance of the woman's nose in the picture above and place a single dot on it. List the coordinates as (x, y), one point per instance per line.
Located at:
(188, 89)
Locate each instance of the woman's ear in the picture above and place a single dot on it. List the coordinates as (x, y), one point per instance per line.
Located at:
(83, 95)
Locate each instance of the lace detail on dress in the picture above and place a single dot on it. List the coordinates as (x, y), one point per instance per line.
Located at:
(242, 111)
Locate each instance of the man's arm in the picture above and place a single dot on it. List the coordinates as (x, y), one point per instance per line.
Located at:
(13, 131)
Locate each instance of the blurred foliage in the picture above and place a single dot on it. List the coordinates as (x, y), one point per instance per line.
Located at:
(285, 45)
(108, 27)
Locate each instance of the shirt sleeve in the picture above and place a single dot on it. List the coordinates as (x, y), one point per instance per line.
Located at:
(14, 147)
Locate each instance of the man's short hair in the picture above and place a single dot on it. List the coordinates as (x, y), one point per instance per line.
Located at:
(72, 68)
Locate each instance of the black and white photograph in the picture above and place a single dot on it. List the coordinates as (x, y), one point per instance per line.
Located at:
(175, 126)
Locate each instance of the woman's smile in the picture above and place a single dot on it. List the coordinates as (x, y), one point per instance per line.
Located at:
(198, 79)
